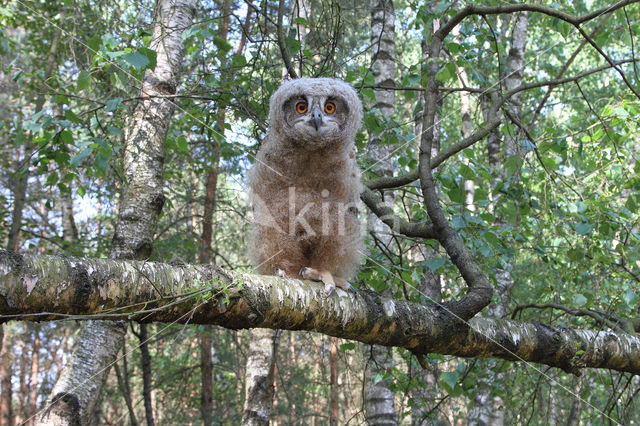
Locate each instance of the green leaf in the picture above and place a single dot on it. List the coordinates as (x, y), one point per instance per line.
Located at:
(101, 164)
(449, 380)
(52, 179)
(112, 104)
(119, 80)
(137, 60)
(293, 44)
(222, 44)
(71, 116)
(61, 99)
(114, 130)
(32, 125)
(513, 165)
(75, 161)
(347, 346)
(238, 61)
(584, 228)
(630, 297)
(301, 21)
(84, 79)
(183, 144)
(94, 43)
(456, 195)
(66, 136)
(368, 92)
(443, 75)
(435, 263)
(151, 56)
(579, 300)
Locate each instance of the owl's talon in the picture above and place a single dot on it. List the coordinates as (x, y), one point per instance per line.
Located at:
(328, 289)
(279, 272)
(303, 272)
(344, 284)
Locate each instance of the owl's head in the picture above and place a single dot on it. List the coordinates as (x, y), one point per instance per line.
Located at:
(314, 113)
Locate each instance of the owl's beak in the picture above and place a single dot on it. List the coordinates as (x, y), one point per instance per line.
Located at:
(316, 117)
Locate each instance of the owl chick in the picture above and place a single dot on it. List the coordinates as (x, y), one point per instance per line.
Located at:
(305, 184)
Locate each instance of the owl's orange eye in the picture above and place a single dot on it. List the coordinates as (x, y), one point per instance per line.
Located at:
(329, 107)
(301, 107)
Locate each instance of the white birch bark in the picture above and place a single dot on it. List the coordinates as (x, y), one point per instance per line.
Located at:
(378, 397)
(259, 377)
(77, 391)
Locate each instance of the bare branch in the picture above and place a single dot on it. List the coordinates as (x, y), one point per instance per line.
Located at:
(281, 44)
(397, 181)
(624, 326)
(396, 223)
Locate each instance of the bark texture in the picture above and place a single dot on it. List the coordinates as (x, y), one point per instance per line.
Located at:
(259, 377)
(6, 361)
(38, 287)
(334, 411)
(206, 372)
(378, 397)
(69, 229)
(78, 389)
(145, 358)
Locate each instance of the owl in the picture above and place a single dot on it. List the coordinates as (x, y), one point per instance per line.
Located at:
(305, 185)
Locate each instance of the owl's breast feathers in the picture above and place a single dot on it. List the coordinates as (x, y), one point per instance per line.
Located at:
(318, 195)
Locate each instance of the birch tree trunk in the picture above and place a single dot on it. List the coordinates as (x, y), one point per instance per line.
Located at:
(78, 388)
(488, 409)
(259, 377)
(466, 124)
(378, 398)
(69, 229)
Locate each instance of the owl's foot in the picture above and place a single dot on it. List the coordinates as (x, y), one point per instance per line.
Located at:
(330, 282)
(343, 284)
(279, 272)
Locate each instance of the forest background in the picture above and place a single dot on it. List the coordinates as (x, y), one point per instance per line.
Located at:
(499, 147)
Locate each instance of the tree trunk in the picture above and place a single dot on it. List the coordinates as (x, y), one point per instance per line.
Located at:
(206, 252)
(259, 377)
(126, 393)
(333, 381)
(206, 372)
(77, 391)
(145, 358)
(489, 408)
(35, 362)
(467, 126)
(69, 229)
(378, 398)
(6, 363)
(212, 177)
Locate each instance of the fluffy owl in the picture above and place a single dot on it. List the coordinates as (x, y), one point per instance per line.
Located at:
(305, 184)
